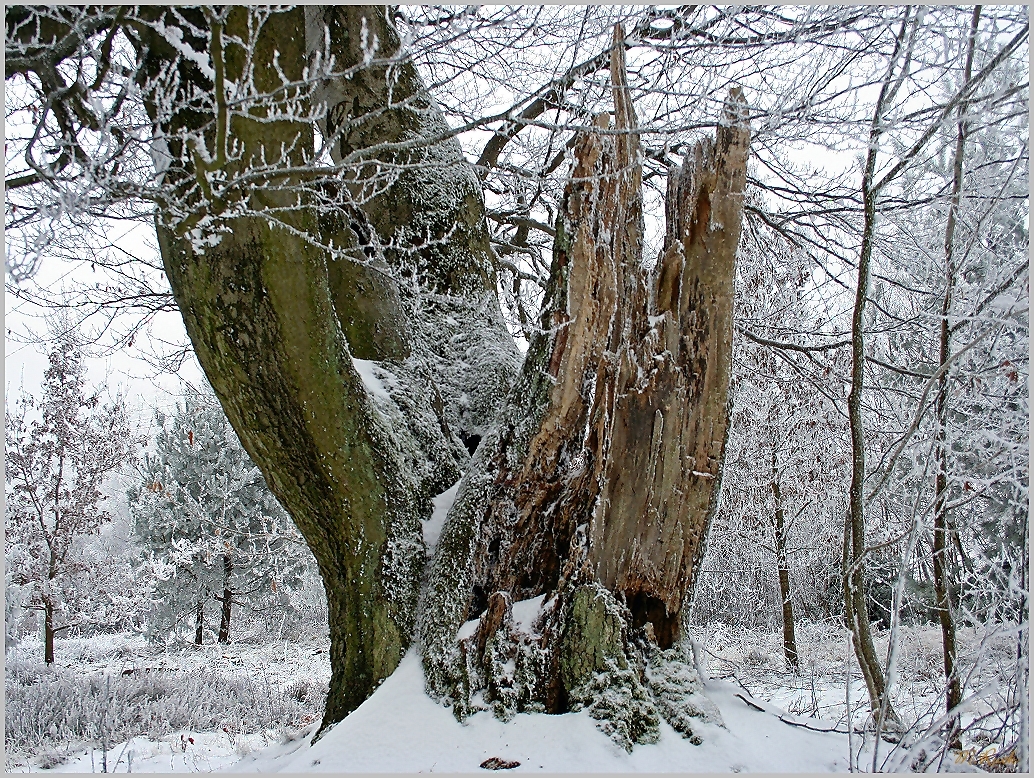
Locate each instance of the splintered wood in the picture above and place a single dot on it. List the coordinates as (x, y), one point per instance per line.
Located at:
(619, 480)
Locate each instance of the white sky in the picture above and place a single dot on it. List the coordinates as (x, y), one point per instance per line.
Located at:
(124, 372)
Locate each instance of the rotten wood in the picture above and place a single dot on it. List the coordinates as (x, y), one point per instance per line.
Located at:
(626, 383)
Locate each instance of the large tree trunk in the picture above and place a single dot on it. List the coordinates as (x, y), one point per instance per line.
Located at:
(598, 487)
(276, 318)
(599, 480)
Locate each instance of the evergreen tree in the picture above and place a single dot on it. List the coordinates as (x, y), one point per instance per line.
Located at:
(59, 452)
(210, 529)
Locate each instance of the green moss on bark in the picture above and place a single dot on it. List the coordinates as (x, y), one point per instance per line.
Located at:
(258, 310)
(594, 637)
(597, 672)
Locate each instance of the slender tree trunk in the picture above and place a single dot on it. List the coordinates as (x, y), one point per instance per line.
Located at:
(199, 623)
(789, 638)
(855, 596)
(227, 600)
(941, 564)
(48, 631)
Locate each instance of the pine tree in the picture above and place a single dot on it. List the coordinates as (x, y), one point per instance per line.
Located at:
(210, 529)
(59, 452)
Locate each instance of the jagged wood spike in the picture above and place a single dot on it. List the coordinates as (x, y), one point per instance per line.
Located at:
(606, 467)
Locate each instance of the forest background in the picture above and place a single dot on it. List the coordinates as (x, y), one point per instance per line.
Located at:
(880, 361)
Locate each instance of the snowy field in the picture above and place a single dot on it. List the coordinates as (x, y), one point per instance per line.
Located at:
(254, 708)
(189, 708)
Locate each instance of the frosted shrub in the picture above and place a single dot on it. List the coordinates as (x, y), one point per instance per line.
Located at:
(622, 705)
(48, 706)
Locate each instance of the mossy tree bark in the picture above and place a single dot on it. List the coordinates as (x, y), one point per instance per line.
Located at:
(599, 480)
(273, 317)
(604, 473)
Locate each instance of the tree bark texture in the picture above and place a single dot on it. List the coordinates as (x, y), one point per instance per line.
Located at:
(600, 478)
(273, 319)
(604, 473)
(425, 210)
(856, 607)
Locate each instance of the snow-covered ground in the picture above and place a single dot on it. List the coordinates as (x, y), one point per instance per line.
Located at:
(399, 729)
(773, 720)
(192, 708)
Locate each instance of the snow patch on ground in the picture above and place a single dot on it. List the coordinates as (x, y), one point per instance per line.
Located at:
(400, 729)
(365, 369)
(433, 526)
(180, 752)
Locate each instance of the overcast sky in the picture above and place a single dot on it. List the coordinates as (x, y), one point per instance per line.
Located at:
(124, 372)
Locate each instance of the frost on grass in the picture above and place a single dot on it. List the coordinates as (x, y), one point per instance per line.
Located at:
(116, 687)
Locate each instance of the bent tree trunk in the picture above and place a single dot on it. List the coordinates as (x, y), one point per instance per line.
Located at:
(597, 488)
(276, 318)
(593, 486)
